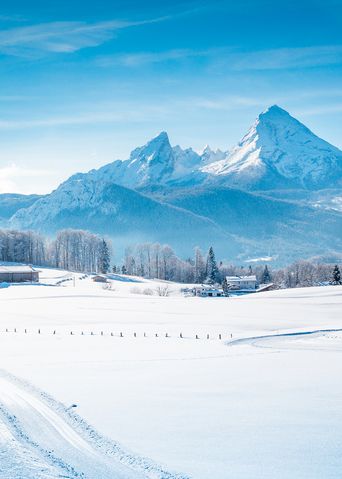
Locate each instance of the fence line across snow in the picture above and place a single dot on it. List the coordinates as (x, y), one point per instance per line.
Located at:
(121, 334)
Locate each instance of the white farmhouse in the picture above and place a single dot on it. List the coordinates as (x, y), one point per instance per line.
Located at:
(241, 282)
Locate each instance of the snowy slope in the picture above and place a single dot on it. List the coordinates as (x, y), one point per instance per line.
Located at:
(284, 229)
(280, 152)
(198, 407)
(86, 202)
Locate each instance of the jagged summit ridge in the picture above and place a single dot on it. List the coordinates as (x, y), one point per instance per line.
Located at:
(278, 151)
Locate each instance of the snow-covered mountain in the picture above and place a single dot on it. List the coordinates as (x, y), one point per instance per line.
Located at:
(127, 216)
(178, 196)
(156, 163)
(10, 203)
(279, 152)
(209, 156)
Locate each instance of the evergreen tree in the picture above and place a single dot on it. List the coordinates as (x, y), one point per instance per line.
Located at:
(250, 271)
(104, 258)
(225, 287)
(124, 269)
(212, 271)
(336, 275)
(266, 277)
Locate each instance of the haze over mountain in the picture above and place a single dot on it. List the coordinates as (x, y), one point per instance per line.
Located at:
(174, 195)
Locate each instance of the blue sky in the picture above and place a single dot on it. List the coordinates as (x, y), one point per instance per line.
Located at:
(83, 83)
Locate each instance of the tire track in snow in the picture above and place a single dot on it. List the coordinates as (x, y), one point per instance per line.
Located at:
(253, 340)
(46, 433)
(18, 460)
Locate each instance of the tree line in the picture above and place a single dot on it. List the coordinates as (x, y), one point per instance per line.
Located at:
(152, 260)
(74, 250)
(82, 251)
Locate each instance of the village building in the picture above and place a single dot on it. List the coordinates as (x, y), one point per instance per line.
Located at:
(242, 282)
(18, 274)
(208, 292)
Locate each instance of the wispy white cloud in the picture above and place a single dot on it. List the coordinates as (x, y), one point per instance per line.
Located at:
(231, 102)
(125, 112)
(229, 58)
(288, 58)
(319, 110)
(12, 18)
(62, 37)
(145, 58)
(14, 98)
(12, 178)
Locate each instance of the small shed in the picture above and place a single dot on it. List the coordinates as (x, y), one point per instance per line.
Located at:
(18, 274)
(99, 279)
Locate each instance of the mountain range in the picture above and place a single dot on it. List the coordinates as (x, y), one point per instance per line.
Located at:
(278, 192)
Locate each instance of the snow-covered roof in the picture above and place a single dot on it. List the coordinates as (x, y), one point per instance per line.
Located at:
(17, 269)
(252, 277)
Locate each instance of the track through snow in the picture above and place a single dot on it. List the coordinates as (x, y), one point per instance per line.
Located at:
(257, 341)
(41, 439)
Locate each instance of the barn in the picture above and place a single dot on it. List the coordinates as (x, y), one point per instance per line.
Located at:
(18, 274)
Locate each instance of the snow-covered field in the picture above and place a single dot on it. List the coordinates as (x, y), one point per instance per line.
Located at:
(259, 403)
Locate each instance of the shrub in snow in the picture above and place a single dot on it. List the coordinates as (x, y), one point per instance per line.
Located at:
(148, 292)
(163, 290)
(135, 290)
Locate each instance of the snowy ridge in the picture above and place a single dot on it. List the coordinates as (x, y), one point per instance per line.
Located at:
(156, 163)
(114, 457)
